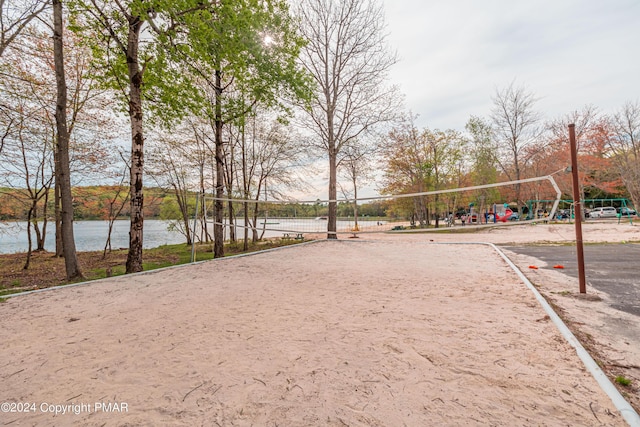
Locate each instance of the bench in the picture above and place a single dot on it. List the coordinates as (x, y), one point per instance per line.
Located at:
(287, 236)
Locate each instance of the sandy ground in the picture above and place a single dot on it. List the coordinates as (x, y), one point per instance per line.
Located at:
(377, 331)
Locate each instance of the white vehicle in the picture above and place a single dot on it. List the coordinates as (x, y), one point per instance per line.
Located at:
(625, 211)
(604, 212)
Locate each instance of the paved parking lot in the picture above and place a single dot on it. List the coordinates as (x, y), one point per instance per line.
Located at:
(614, 269)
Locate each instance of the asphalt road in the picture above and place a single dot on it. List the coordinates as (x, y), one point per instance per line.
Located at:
(612, 268)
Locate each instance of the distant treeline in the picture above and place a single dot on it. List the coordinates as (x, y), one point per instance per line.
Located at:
(106, 202)
(95, 202)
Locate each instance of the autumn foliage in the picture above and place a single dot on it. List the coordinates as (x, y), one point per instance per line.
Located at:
(89, 202)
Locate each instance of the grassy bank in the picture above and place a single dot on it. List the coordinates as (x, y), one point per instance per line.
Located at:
(45, 270)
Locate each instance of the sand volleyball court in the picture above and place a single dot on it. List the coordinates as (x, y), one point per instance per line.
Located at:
(335, 333)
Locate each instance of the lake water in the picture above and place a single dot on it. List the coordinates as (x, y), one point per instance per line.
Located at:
(92, 235)
(89, 235)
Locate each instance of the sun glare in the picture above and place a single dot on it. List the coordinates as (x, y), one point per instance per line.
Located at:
(268, 40)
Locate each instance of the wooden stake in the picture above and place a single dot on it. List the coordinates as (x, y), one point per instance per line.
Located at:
(577, 203)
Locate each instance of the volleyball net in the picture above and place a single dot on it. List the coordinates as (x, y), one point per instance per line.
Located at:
(498, 204)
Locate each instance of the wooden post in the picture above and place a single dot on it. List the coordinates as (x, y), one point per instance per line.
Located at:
(577, 203)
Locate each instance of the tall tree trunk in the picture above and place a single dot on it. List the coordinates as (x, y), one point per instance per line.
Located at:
(518, 189)
(202, 210)
(229, 177)
(355, 203)
(245, 239)
(45, 221)
(205, 236)
(218, 231)
(57, 210)
(254, 225)
(191, 237)
(436, 209)
(134, 257)
(30, 243)
(333, 195)
(63, 171)
(245, 187)
(36, 228)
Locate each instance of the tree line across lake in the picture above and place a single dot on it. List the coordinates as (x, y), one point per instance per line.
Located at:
(110, 202)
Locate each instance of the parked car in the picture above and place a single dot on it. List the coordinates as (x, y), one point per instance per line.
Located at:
(603, 212)
(624, 211)
(563, 214)
(514, 216)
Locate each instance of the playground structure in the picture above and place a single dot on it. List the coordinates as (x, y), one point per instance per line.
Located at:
(494, 213)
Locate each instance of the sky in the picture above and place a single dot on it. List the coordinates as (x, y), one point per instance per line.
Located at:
(454, 55)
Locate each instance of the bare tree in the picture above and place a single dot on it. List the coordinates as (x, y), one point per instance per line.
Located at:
(204, 158)
(348, 57)
(267, 151)
(273, 152)
(174, 161)
(625, 145)
(8, 126)
(27, 164)
(357, 167)
(515, 126)
(584, 120)
(115, 206)
(555, 154)
(28, 141)
(15, 15)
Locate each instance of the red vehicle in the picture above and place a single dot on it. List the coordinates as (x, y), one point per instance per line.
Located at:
(505, 217)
